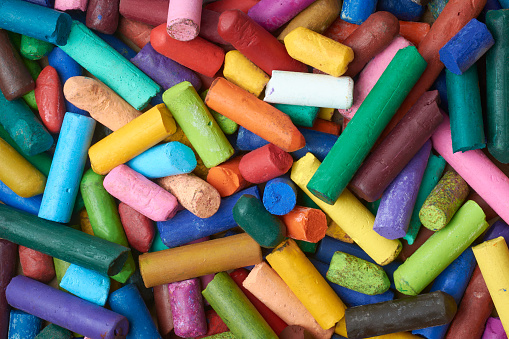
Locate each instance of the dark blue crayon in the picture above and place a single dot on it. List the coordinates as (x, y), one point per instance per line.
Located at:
(158, 99)
(280, 195)
(498, 229)
(349, 297)
(406, 10)
(504, 3)
(491, 5)
(466, 47)
(66, 68)
(30, 205)
(453, 281)
(146, 293)
(23, 325)
(441, 85)
(328, 246)
(45, 3)
(248, 141)
(127, 301)
(357, 11)
(35, 21)
(117, 44)
(164, 71)
(185, 227)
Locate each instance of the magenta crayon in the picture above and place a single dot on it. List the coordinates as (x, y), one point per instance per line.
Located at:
(272, 14)
(140, 193)
(187, 308)
(64, 309)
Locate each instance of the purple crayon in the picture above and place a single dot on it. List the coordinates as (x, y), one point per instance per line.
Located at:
(187, 308)
(398, 200)
(272, 14)
(64, 309)
(166, 72)
(494, 329)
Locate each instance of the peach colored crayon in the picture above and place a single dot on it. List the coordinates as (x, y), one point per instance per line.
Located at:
(103, 104)
(305, 223)
(137, 32)
(226, 177)
(140, 193)
(67, 5)
(254, 114)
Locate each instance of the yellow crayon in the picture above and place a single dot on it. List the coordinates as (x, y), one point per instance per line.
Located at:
(307, 284)
(336, 232)
(325, 113)
(341, 328)
(85, 223)
(318, 51)
(242, 72)
(349, 213)
(493, 259)
(398, 335)
(18, 174)
(131, 139)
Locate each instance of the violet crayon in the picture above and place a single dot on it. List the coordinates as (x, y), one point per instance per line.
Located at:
(498, 229)
(64, 309)
(128, 302)
(494, 329)
(8, 259)
(163, 70)
(187, 308)
(398, 200)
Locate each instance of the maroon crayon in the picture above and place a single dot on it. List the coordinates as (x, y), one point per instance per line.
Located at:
(103, 15)
(139, 229)
(8, 257)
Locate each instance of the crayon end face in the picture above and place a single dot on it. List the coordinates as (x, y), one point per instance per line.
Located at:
(320, 195)
(402, 285)
(183, 29)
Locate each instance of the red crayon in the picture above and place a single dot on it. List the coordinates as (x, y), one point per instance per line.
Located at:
(215, 324)
(265, 163)
(225, 5)
(138, 228)
(36, 265)
(137, 32)
(258, 45)
(50, 99)
(150, 12)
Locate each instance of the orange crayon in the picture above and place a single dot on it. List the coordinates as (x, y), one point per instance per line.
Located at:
(305, 223)
(226, 177)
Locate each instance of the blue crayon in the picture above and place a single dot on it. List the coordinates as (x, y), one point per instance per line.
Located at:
(30, 205)
(357, 11)
(328, 246)
(45, 3)
(498, 229)
(118, 45)
(185, 227)
(23, 127)
(407, 10)
(35, 21)
(164, 160)
(349, 297)
(66, 68)
(466, 47)
(317, 143)
(147, 294)
(158, 99)
(280, 196)
(67, 168)
(504, 3)
(441, 85)
(300, 115)
(453, 281)
(86, 284)
(248, 141)
(23, 325)
(127, 301)
(163, 70)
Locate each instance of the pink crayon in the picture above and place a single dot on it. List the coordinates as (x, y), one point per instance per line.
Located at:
(371, 73)
(67, 5)
(494, 329)
(143, 195)
(477, 169)
(184, 18)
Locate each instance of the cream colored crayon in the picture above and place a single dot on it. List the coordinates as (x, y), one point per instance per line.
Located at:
(307, 283)
(349, 213)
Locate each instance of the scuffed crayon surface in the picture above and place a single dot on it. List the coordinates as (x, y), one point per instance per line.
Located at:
(187, 308)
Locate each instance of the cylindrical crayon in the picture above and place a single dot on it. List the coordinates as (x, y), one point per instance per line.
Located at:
(414, 31)
(132, 139)
(163, 309)
(441, 249)
(388, 159)
(300, 115)
(191, 261)
(36, 265)
(109, 66)
(226, 177)
(215, 325)
(127, 301)
(227, 125)
(9, 198)
(64, 5)
(305, 223)
(23, 325)
(153, 12)
(266, 285)
(139, 229)
(240, 71)
(67, 168)
(34, 49)
(257, 44)
(8, 259)
(64, 309)
(102, 15)
(184, 17)
(317, 143)
(52, 26)
(494, 329)
(238, 313)
(398, 200)
(307, 283)
(350, 214)
(280, 196)
(253, 114)
(357, 11)
(208, 27)
(53, 331)
(425, 310)
(86, 284)
(376, 111)
(272, 14)
(198, 124)
(264, 164)
(50, 99)
(177, 231)
(187, 308)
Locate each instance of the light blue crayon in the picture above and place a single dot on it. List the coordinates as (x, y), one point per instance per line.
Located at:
(109, 66)
(86, 284)
(23, 325)
(127, 301)
(35, 21)
(67, 168)
(280, 196)
(453, 281)
(30, 205)
(164, 160)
